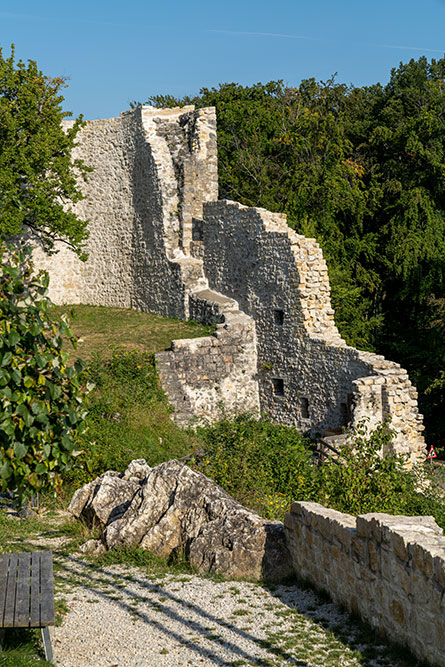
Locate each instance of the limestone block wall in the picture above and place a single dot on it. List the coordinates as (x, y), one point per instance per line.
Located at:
(205, 376)
(139, 210)
(307, 374)
(388, 569)
(161, 242)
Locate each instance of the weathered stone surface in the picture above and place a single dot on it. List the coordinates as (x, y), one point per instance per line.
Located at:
(92, 548)
(105, 499)
(389, 569)
(175, 509)
(161, 242)
(137, 469)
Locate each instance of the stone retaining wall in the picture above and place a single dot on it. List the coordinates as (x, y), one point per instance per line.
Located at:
(388, 569)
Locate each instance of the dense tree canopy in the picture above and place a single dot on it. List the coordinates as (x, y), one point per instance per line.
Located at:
(37, 175)
(362, 170)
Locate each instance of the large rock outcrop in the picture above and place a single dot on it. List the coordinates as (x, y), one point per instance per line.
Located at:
(171, 508)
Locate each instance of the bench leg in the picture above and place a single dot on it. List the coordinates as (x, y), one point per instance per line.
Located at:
(47, 644)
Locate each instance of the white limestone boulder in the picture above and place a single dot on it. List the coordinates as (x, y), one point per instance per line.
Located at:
(174, 509)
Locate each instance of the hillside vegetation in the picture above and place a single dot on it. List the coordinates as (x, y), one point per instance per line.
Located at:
(265, 466)
(362, 170)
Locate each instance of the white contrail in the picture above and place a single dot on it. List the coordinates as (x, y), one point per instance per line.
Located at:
(409, 48)
(316, 39)
(263, 34)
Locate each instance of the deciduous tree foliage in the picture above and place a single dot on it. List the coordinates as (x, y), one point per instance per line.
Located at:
(362, 170)
(42, 399)
(37, 173)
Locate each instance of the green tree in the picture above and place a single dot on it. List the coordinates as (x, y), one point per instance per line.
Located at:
(42, 399)
(363, 171)
(37, 174)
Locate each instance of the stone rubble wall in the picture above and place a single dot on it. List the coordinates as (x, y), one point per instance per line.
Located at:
(205, 378)
(280, 279)
(388, 569)
(137, 207)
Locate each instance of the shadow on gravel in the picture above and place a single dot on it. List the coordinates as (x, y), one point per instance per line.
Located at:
(92, 578)
(373, 650)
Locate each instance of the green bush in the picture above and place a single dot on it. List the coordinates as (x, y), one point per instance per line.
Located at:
(267, 466)
(42, 400)
(263, 465)
(362, 480)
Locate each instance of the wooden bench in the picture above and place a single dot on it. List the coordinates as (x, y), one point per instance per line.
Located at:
(27, 593)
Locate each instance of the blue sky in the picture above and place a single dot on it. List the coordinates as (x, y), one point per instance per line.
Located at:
(114, 52)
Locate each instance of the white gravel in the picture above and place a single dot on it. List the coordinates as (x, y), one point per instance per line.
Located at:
(124, 617)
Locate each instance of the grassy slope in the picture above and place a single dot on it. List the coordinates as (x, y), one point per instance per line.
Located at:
(127, 422)
(99, 328)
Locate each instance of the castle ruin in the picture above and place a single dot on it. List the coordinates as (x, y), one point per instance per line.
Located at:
(160, 241)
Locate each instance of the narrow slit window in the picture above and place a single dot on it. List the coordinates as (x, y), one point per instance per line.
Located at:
(278, 386)
(305, 408)
(278, 316)
(344, 414)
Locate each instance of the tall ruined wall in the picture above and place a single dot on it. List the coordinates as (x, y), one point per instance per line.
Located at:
(307, 374)
(138, 204)
(388, 569)
(160, 242)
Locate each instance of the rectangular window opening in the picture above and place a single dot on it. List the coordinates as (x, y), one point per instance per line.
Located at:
(278, 315)
(305, 408)
(278, 386)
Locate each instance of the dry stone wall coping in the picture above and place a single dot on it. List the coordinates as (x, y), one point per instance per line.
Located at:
(389, 569)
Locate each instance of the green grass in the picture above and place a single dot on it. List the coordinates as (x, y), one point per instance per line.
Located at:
(99, 328)
(22, 648)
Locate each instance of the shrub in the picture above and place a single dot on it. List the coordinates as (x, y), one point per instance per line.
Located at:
(263, 465)
(128, 417)
(362, 479)
(42, 400)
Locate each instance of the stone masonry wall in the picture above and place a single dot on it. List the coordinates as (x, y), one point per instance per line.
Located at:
(207, 377)
(137, 208)
(388, 569)
(204, 377)
(160, 242)
(307, 374)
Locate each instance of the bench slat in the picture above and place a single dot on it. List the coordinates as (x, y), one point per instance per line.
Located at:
(47, 612)
(35, 590)
(4, 562)
(8, 617)
(21, 616)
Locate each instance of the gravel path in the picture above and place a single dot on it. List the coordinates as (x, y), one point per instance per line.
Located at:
(123, 617)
